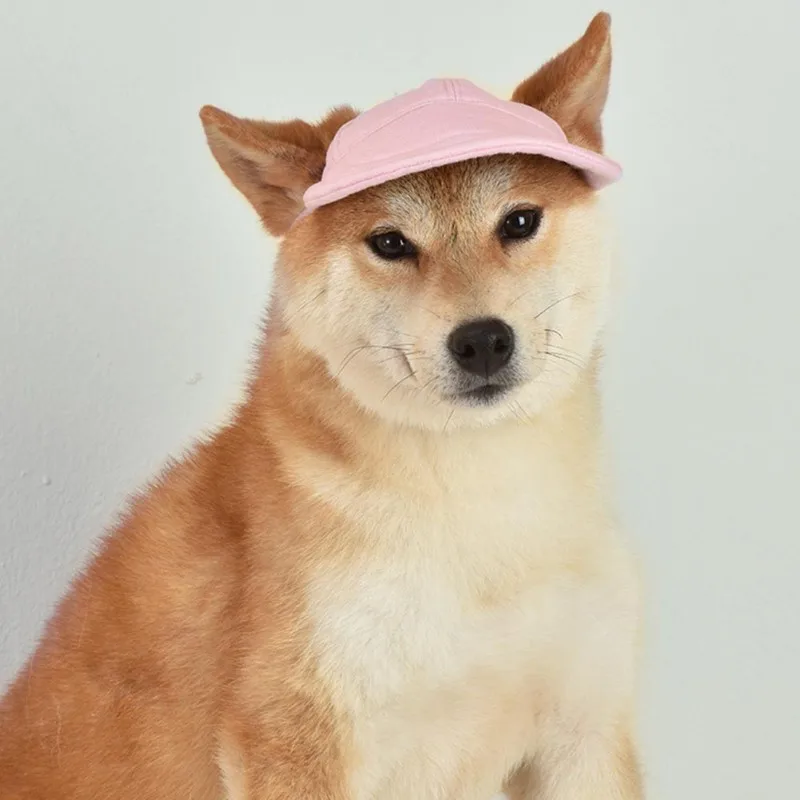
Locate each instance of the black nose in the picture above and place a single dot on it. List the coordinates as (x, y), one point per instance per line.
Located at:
(482, 347)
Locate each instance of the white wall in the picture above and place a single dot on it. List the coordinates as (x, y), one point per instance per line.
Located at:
(132, 279)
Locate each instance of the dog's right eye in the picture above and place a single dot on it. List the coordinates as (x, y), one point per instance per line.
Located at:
(391, 245)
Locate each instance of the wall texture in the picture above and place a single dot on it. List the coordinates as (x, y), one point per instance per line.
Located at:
(132, 279)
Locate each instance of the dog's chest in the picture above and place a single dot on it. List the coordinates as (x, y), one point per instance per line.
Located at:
(448, 650)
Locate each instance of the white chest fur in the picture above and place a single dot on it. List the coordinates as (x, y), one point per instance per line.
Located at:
(480, 613)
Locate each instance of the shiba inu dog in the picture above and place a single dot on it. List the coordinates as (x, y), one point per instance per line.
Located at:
(397, 572)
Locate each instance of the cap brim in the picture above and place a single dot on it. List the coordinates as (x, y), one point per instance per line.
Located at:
(598, 170)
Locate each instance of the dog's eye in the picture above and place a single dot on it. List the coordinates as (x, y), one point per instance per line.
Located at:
(391, 245)
(521, 224)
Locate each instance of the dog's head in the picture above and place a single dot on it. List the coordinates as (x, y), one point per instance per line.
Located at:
(460, 295)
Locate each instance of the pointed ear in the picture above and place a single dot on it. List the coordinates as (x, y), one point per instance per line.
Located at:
(272, 163)
(572, 88)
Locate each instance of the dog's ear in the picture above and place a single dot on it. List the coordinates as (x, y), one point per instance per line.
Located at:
(572, 88)
(272, 163)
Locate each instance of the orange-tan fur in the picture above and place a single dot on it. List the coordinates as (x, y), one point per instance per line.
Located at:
(359, 589)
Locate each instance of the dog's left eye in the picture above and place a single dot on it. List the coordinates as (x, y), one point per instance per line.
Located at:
(521, 224)
(391, 245)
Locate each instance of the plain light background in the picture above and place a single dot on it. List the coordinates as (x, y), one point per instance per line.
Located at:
(132, 279)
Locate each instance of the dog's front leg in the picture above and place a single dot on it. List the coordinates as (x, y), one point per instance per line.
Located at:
(520, 785)
(289, 753)
(585, 768)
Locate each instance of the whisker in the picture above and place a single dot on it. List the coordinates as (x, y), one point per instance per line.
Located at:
(563, 299)
(402, 380)
(418, 389)
(290, 317)
(566, 351)
(426, 385)
(352, 354)
(513, 409)
(417, 355)
(548, 363)
(399, 333)
(519, 297)
(565, 357)
(356, 350)
(562, 357)
(519, 412)
(553, 330)
(438, 316)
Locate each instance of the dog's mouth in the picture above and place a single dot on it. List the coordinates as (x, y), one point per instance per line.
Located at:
(486, 394)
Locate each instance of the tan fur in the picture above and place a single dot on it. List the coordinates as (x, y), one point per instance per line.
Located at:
(362, 589)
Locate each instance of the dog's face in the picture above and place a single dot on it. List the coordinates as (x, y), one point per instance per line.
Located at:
(456, 296)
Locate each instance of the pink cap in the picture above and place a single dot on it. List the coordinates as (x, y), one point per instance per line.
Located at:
(441, 122)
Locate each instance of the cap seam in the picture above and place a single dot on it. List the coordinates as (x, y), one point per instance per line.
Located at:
(340, 154)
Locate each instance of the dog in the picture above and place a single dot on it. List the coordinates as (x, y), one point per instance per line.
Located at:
(397, 572)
